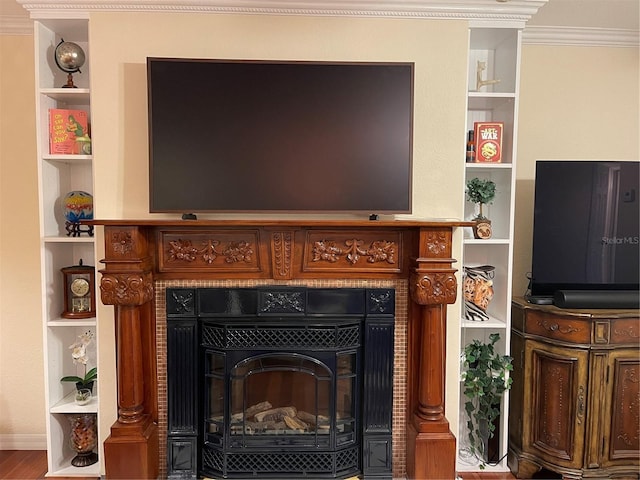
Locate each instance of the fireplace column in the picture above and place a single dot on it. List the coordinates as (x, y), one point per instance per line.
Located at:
(430, 443)
(127, 283)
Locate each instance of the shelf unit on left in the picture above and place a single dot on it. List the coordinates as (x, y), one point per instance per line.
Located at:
(59, 174)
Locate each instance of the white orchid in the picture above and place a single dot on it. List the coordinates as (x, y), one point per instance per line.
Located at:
(79, 355)
(79, 348)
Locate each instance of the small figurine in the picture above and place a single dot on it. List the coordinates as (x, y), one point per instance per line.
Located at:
(482, 66)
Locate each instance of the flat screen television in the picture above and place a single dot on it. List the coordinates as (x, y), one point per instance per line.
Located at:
(279, 136)
(586, 235)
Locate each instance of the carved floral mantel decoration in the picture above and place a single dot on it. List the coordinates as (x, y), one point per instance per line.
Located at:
(353, 250)
(232, 252)
(436, 243)
(121, 242)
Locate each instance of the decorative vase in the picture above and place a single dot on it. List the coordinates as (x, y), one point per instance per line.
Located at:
(84, 438)
(478, 291)
(83, 396)
(77, 205)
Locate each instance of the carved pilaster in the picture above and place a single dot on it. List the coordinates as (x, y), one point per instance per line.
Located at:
(127, 283)
(432, 285)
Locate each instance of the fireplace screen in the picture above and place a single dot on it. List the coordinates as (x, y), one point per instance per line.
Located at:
(283, 376)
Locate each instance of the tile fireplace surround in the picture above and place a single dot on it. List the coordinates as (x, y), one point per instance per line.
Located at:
(143, 258)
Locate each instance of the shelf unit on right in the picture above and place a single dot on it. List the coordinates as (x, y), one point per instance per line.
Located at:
(498, 47)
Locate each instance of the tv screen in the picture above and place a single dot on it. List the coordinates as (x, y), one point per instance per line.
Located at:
(258, 136)
(586, 233)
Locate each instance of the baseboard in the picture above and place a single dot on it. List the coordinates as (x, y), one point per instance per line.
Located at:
(23, 441)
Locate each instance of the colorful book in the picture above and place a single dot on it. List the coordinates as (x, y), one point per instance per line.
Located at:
(65, 126)
(488, 138)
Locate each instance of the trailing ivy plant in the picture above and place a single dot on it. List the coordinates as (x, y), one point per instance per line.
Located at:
(485, 379)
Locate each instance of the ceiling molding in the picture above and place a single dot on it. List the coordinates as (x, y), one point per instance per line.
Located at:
(15, 25)
(580, 36)
(513, 14)
(513, 10)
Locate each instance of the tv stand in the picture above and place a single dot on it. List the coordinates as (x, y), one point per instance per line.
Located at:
(574, 400)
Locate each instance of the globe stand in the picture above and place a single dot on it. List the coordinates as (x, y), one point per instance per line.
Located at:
(69, 81)
(75, 229)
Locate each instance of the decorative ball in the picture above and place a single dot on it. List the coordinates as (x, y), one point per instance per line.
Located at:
(78, 205)
(69, 57)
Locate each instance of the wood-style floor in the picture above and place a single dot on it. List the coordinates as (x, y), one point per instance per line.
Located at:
(25, 465)
(32, 465)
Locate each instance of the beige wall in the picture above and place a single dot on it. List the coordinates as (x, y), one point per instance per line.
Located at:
(120, 43)
(576, 103)
(21, 359)
(570, 97)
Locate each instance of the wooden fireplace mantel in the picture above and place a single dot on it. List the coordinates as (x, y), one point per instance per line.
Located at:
(138, 252)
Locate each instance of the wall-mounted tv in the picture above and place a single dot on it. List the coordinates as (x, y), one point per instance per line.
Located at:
(280, 136)
(586, 233)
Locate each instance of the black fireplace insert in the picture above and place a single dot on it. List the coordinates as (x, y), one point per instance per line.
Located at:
(279, 382)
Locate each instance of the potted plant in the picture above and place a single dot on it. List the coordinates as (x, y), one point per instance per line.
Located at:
(84, 384)
(481, 191)
(485, 378)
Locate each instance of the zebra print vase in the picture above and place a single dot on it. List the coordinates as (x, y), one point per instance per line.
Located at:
(478, 291)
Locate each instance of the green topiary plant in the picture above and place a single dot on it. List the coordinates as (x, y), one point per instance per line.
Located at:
(484, 379)
(480, 191)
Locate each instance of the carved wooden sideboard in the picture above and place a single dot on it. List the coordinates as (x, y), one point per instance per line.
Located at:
(139, 252)
(575, 399)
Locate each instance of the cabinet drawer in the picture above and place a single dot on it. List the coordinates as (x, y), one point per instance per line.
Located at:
(570, 330)
(625, 331)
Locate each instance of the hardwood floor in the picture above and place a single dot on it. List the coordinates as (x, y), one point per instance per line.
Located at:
(26, 465)
(23, 464)
(32, 465)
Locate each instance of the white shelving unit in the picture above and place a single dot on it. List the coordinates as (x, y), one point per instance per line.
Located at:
(58, 175)
(499, 47)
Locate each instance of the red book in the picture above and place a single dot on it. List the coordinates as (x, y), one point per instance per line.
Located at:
(64, 127)
(488, 137)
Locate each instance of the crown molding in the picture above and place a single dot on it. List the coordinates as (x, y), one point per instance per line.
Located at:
(513, 14)
(500, 10)
(580, 36)
(15, 25)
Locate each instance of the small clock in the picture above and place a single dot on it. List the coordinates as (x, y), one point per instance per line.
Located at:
(79, 293)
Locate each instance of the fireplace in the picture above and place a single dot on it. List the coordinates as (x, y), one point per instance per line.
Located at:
(290, 382)
(143, 255)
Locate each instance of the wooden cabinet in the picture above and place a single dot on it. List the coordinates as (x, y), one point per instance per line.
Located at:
(575, 399)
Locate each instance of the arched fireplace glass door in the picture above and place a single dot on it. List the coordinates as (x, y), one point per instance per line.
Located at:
(281, 399)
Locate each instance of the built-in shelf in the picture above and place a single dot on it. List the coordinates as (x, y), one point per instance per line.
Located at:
(71, 96)
(68, 405)
(499, 49)
(59, 175)
(64, 322)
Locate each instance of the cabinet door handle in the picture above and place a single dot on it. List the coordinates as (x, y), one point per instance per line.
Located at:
(580, 413)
